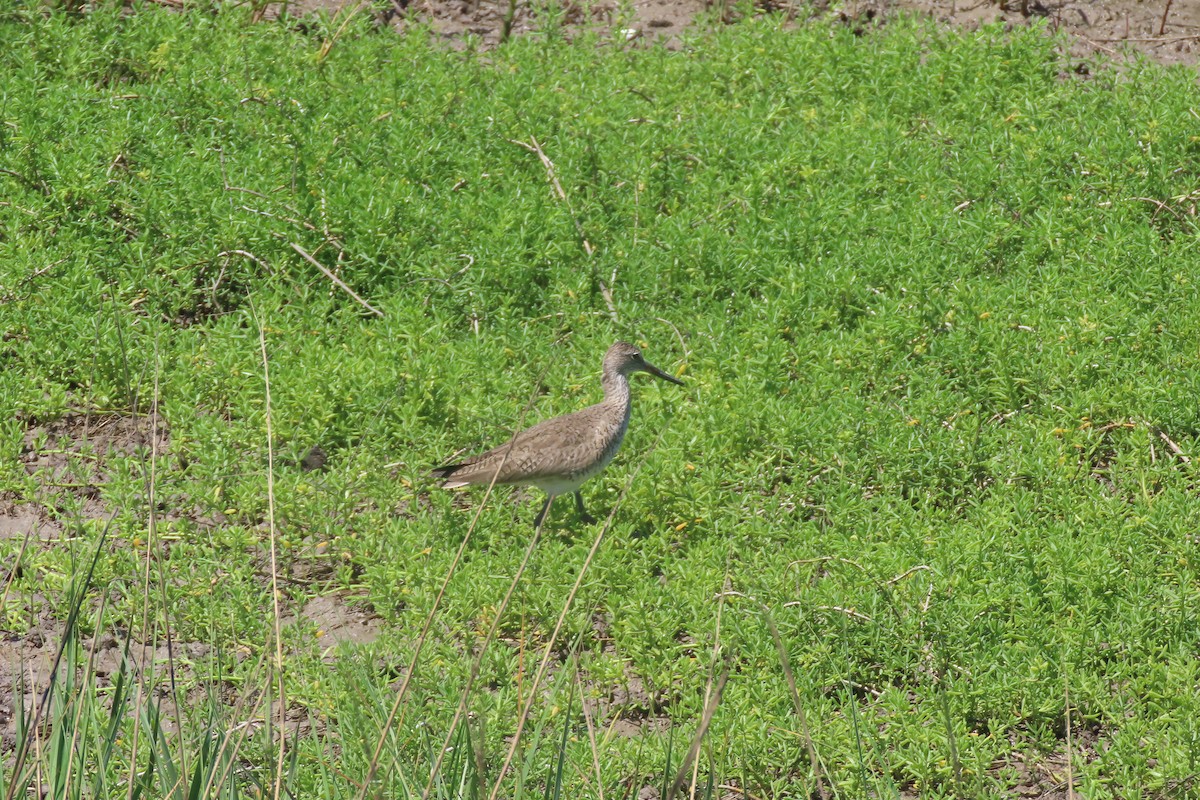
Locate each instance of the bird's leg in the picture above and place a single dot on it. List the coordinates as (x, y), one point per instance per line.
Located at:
(587, 518)
(541, 517)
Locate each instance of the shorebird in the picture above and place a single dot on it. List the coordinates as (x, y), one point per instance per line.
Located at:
(559, 454)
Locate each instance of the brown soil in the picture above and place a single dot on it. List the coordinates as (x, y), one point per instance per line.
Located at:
(338, 622)
(1167, 31)
(1044, 776)
(629, 707)
(1118, 28)
(73, 448)
(71, 459)
(24, 662)
(17, 520)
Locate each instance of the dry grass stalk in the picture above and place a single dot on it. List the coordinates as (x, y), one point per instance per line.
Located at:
(562, 616)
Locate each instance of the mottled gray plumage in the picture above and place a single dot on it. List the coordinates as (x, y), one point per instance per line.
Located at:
(558, 455)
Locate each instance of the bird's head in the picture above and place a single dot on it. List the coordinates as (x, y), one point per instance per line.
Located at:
(624, 358)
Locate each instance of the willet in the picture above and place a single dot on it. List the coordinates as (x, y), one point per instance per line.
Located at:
(559, 454)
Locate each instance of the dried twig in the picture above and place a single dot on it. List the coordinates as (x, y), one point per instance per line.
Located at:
(330, 239)
(10, 296)
(687, 353)
(31, 183)
(591, 730)
(1162, 27)
(273, 534)
(906, 573)
(1099, 46)
(304, 254)
(1152, 39)
(1067, 712)
(1176, 449)
(849, 612)
(248, 255)
(871, 690)
(708, 686)
(327, 45)
(22, 209)
(535, 148)
(225, 185)
(298, 222)
(608, 300)
(1161, 207)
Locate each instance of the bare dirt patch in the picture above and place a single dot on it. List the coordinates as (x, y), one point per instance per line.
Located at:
(491, 21)
(1167, 31)
(1118, 28)
(629, 707)
(46, 523)
(25, 663)
(18, 520)
(171, 674)
(1045, 776)
(73, 449)
(337, 621)
(69, 457)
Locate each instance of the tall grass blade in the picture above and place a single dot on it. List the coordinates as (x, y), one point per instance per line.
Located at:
(786, 663)
(76, 598)
(561, 760)
(693, 752)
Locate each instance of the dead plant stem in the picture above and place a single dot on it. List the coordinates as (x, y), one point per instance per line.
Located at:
(791, 682)
(1162, 25)
(478, 662)
(373, 767)
(551, 175)
(337, 281)
(273, 534)
(562, 616)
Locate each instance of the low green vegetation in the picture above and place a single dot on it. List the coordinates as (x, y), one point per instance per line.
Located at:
(934, 298)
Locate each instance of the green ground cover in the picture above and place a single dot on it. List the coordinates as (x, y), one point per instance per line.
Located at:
(933, 295)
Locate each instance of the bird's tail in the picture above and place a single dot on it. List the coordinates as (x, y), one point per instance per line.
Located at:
(446, 475)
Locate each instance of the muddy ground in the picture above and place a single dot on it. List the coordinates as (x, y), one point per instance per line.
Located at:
(1167, 31)
(71, 458)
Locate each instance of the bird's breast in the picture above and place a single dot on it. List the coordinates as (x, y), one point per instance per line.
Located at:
(587, 459)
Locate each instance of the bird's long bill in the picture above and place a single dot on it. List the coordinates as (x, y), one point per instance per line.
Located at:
(653, 370)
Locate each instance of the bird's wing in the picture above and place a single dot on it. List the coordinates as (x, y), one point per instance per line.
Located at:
(546, 449)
